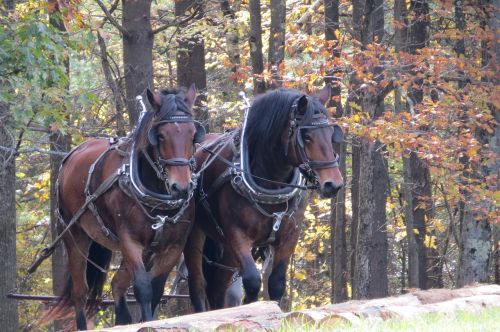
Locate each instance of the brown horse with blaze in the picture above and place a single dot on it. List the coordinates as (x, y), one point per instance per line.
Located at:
(134, 197)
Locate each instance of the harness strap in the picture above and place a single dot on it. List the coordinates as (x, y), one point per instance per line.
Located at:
(159, 172)
(203, 200)
(46, 252)
(103, 187)
(222, 266)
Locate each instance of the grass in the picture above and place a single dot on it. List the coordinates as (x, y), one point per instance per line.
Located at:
(483, 321)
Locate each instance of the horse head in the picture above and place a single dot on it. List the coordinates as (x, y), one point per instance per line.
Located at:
(172, 135)
(309, 140)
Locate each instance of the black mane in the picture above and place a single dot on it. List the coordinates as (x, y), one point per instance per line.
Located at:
(268, 118)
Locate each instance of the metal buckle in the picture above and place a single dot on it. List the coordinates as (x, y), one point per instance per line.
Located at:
(237, 179)
(160, 223)
(278, 216)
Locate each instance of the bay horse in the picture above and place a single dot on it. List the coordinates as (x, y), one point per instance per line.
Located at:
(133, 196)
(253, 194)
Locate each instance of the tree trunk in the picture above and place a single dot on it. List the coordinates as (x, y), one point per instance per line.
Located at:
(332, 24)
(357, 14)
(419, 176)
(338, 234)
(113, 86)
(413, 249)
(255, 40)
(276, 54)
(137, 53)
(475, 246)
(8, 271)
(191, 60)
(58, 143)
(232, 36)
(356, 169)
(338, 222)
(496, 255)
(372, 245)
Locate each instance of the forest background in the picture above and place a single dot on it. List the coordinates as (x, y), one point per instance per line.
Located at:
(415, 86)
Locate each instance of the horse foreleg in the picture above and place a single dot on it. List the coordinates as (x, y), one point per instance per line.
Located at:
(277, 279)
(132, 254)
(119, 285)
(242, 248)
(194, 258)
(221, 281)
(162, 265)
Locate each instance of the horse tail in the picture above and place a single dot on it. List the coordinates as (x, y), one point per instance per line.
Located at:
(97, 265)
(98, 260)
(62, 309)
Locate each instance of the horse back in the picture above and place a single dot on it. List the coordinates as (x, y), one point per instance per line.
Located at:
(74, 172)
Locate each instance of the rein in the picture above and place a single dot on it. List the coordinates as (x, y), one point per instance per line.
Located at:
(238, 169)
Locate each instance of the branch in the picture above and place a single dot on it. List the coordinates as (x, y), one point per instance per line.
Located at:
(111, 10)
(26, 151)
(112, 19)
(177, 23)
(311, 10)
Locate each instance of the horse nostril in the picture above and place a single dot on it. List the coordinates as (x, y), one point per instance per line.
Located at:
(178, 190)
(329, 188)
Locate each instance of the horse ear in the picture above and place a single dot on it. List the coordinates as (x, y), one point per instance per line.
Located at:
(302, 105)
(324, 94)
(154, 100)
(191, 95)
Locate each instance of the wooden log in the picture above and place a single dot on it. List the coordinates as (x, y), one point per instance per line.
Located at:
(258, 316)
(347, 312)
(265, 316)
(405, 306)
(440, 295)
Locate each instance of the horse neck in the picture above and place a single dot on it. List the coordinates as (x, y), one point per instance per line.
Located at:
(275, 167)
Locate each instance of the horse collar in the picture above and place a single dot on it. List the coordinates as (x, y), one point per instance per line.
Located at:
(244, 184)
(145, 196)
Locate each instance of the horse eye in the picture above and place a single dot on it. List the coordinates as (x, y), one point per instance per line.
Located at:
(307, 137)
(160, 137)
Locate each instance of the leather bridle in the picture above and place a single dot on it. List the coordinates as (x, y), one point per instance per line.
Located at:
(295, 134)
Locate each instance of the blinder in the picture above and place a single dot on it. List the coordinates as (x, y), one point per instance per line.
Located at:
(153, 136)
(337, 136)
(318, 121)
(199, 135)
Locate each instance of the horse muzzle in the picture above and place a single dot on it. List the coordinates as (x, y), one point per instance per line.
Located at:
(329, 189)
(180, 191)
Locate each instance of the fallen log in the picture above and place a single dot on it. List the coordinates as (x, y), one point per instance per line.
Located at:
(441, 295)
(258, 316)
(267, 316)
(405, 306)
